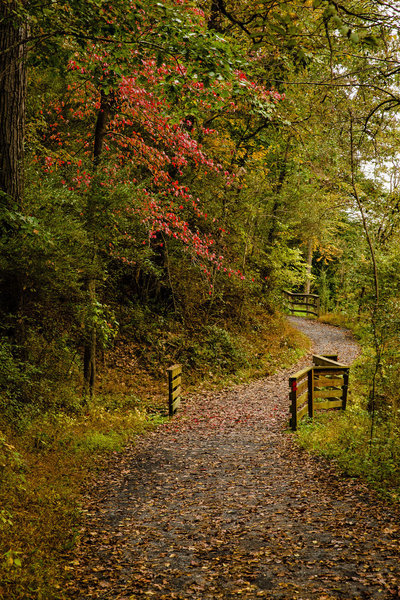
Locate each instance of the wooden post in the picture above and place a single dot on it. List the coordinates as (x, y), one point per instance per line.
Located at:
(320, 387)
(310, 376)
(174, 388)
(345, 389)
(293, 403)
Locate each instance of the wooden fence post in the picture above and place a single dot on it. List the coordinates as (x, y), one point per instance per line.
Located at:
(345, 389)
(293, 402)
(323, 386)
(311, 393)
(174, 388)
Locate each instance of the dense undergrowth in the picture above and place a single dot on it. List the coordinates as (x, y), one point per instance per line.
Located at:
(364, 441)
(346, 438)
(47, 459)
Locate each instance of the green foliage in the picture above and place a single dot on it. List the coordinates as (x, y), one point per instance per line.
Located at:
(324, 292)
(100, 442)
(17, 385)
(282, 182)
(218, 350)
(41, 475)
(346, 438)
(102, 319)
(12, 468)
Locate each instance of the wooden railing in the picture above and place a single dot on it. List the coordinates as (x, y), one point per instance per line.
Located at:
(322, 386)
(305, 303)
(174, 388)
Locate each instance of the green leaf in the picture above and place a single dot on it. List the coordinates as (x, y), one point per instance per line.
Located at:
(354, 37)
(330, 11)
(337, 21)
(258, 45)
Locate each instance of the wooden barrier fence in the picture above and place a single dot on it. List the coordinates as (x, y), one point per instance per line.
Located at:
(322, 386)
(305, 303)
(174, 388)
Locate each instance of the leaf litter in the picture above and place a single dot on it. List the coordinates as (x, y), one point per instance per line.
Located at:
(220, 503)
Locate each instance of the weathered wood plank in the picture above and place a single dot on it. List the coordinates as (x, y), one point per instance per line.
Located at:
(176, 392)
(293, 410)
(325, 388)
(310, 399)
(302, 387)
(329, 370)
(301, 398)
(345, 388)
(174, 371)
(174, 387)
(298, 294)
(297, 303)
(331, 356)
(322, 361)
(175, 405)
(328, 394)
(303, 411)
(298, 376)
(325, 381)
(328, 404)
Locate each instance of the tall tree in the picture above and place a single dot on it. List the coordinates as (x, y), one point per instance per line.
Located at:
(13, 32)
(12, 101)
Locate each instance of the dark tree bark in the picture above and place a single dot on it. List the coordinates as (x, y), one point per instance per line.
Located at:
(12, 103)
(13, 33)
(214, 21)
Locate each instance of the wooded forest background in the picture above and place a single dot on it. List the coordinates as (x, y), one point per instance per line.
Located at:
(173, 166)
(167, 169)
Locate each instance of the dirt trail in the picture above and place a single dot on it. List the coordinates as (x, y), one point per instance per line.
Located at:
(220, 503)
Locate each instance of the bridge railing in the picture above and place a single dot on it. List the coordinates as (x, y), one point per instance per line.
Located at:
(304, 303)
(323, 386)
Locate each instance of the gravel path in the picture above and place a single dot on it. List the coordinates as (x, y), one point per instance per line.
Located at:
(328, 339)
(221, 504)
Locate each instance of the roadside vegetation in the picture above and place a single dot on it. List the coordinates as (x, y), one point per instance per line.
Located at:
(167, 169)
(47, 460)
(364, 440)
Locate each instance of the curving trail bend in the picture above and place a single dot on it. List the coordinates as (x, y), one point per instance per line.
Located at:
(220, 504)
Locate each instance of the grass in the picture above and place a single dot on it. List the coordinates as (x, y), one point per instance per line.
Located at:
(346, 438)
(44, 467)
(42, 476)
(216, 356)
(360, 450)
(344, 320)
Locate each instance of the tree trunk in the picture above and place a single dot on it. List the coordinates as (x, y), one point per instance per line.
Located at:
(12, 104)
(12, 132)
(89, 354)
(307, 284)
(283, 168)
(214, 20)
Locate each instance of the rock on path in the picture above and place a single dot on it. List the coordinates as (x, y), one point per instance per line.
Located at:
(220, 503)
